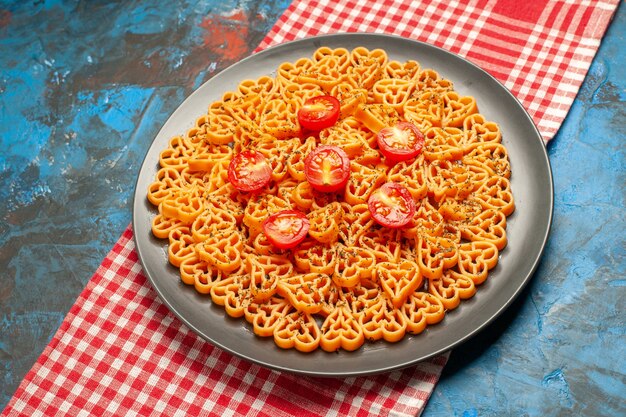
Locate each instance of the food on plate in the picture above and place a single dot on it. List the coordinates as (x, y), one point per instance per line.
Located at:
(348, 198)
(286, 229)
(392, 205)
(400, 142)
(249, 171)
(319, 112)
(327, 168)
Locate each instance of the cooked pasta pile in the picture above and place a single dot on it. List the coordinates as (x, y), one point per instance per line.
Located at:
(350, 279)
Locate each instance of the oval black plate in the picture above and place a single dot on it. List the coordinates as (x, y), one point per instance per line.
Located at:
(527, 228)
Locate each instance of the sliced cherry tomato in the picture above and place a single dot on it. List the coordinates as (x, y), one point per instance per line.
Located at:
(327, 168)
(286, 228)
(249, 171)
(392, 205)
(401, 142)
(319, 112)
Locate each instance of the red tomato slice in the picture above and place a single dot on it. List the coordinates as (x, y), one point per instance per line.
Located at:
(249, 171)
(286, 228)
(319, 112)
(327, 168)
(401, 142)
(392, 205)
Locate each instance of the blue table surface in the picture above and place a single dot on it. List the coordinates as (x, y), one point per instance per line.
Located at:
(85, 87)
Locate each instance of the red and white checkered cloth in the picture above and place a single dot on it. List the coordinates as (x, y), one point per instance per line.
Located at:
(120, 352)
(540, 49)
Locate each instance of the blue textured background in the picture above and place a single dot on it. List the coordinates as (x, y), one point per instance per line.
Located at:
(85, 86)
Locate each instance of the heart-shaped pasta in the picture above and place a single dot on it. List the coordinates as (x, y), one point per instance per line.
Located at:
(410, 174)
(176, 154)
(349, 98)
(184, 204)
(453, 210)
(276, 155)
(399, 280)
(181, 245)
(495, 193)
(383, 321)
(194, 271)
(489, 226)
(353, 265)
(430, 80)
(408, 70)
(435, 254)
(205, 155)
(168, 180)
(420, 310)
(457, 108)
(427, 221)
(393, 92)
(362, 183)
(449, 179)
(443, 144)
(352, 141)
(357, 219)
(324, 223)
(220, 131)
(301, 92)
(295, 161)
(222, 250)
(338, 58)
(306, 292)
(266, 87)
(451, 288)
(366, 67)
(323, 74)
(297, 330)
(312, 256)
(265, 272)
(279, 118)
(476, 259)
(384, 243)
(245, 108)
(212, 221)
(376, 116)
(427, 107)
(477, 130)
(260, 208)
(341, 330)
(493, 157)
(289, 72)
(163, 225)
(265, 316)
(361, 297)
(232, 293)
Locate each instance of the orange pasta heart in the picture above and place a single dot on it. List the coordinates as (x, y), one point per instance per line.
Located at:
(265, 316)
(232, 293)
(341, 330)
(194, 271)
(408, 70)
(297, 330)
(398, 280)
(306, 292)
(353, 265)
(422, 309)
(451, 288)
(383, 321)
(222, 250)
(476, 259)
(457, 108)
